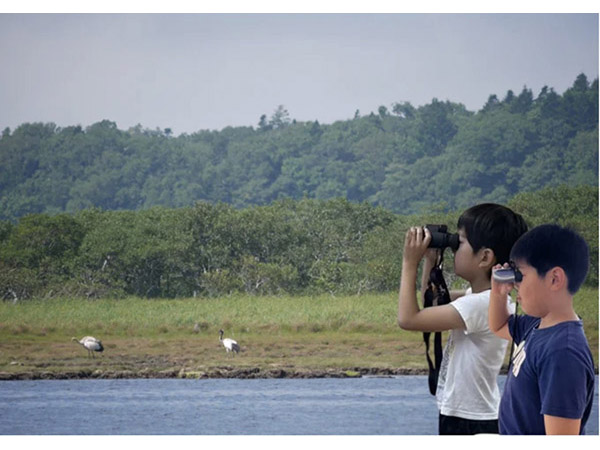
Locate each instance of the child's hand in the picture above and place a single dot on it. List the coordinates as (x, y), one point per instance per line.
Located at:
(501, 287)
(415, 245)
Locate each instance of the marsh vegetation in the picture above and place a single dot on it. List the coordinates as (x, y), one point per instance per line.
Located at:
(158, 338)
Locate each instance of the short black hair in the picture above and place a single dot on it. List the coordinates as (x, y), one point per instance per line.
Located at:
(548, 246)
(492, 226)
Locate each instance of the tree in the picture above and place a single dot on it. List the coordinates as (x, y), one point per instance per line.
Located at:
(263, 125)
(405, 110)
(580, 105)
(523, 102)
(549, 103)
(581, 83)
(436, 127)
(280, 118)
(509, 97)
(492, 104)
(517, 144)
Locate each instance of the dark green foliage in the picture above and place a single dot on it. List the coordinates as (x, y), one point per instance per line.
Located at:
(403, 158)
(288, 247)
(288, 207)
(574, 207)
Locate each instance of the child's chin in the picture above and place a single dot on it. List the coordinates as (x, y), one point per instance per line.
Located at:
(528, 312)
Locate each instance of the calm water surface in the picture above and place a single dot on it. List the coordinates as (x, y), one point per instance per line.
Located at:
(370, 406)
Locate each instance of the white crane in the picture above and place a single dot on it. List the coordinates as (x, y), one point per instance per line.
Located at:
(229, 344)
(90, 343)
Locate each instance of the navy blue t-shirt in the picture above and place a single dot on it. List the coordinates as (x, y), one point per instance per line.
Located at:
(552, 372)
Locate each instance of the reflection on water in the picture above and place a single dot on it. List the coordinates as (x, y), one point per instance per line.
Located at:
(369, 406)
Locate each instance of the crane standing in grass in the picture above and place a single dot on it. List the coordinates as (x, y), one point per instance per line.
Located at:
(91, 344)
(229, 344)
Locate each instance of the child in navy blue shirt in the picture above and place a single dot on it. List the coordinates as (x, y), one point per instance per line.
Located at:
(550, 384)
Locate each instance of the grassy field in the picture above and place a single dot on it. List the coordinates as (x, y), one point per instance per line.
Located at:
(157, 337)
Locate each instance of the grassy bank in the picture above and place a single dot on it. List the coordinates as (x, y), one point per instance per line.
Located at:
(275, 333)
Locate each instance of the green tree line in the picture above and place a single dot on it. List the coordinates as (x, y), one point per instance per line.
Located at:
(401, 158)
(303, 246)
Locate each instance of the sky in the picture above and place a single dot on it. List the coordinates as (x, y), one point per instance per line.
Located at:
(192, 72)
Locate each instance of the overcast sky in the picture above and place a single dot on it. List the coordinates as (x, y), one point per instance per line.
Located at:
(190, 72)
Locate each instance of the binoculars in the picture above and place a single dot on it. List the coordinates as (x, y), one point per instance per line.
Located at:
(508, 275)
(440, 238)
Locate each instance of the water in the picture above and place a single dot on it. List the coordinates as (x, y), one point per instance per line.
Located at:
(364, 406)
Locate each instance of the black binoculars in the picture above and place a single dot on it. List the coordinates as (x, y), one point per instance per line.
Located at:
(440, 238)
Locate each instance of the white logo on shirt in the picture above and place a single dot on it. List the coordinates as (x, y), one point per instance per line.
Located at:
(518, 358)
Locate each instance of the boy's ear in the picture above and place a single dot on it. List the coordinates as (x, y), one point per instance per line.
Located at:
(558, 278)
(487, 258)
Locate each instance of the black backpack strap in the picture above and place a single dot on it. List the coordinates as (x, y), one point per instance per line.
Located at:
(436, 290)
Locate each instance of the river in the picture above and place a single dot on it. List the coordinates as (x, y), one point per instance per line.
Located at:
(398, 405)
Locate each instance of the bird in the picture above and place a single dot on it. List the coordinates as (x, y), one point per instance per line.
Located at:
(91, 344)
(229, 344)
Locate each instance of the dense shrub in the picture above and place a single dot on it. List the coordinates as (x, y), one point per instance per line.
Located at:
(288, 247)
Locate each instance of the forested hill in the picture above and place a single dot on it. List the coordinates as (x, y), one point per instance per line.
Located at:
(403, 158)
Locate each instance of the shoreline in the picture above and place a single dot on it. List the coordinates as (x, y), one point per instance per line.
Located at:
(221, 372)
(213, 373)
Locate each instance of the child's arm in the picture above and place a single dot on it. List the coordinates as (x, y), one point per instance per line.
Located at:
(410, 317)
(561, 425)
(429, 259)
(498, 313)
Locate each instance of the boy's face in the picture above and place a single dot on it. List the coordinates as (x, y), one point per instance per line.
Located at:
(465, 260)
(531, 291)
